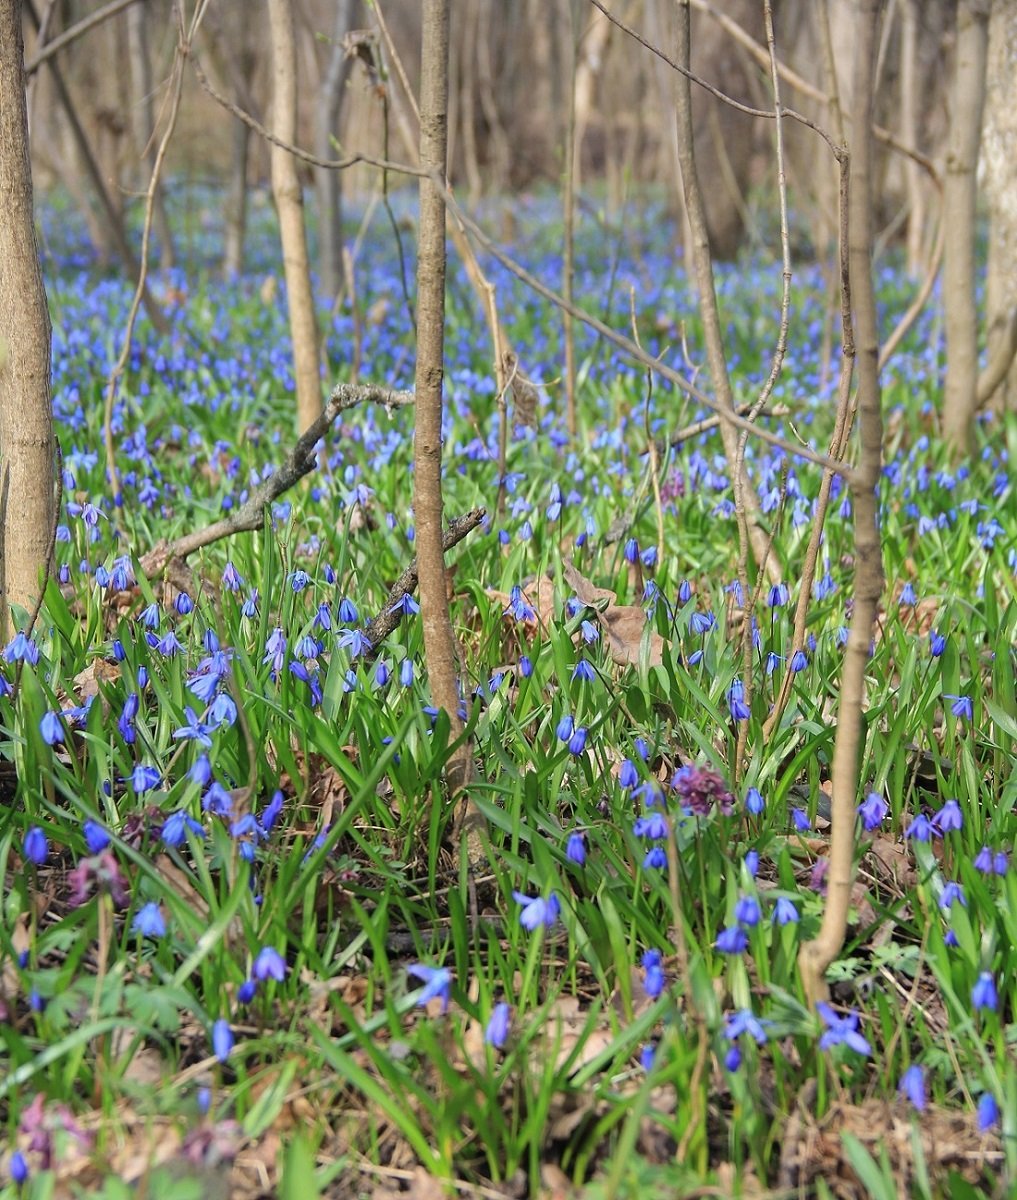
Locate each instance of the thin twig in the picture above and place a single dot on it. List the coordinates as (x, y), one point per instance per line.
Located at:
(48, 49)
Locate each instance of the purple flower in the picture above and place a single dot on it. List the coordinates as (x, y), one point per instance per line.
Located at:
(497, 1031)
(35, 846)
(841, 1031)
(100, 873)
(269, 964)
(149, 921)
(700, 790)
(536, 910)
(912, 1086)
(222, 1039)
(437, 982)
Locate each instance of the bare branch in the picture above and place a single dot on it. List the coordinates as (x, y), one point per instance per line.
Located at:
(392, 612)
(300, 462)
(71, 35)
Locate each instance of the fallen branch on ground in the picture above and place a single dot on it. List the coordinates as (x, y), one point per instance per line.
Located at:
(250, 515)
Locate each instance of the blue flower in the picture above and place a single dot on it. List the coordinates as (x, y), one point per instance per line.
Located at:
(732, 940)
(194, 730)
(144, 778)
(799, 661)
(949, 817)
(747, 911)
(907, 596)
(736, 702)
(231, 578)
(437, 982)
(269, 964)
(628, 776)
(577, 742)
(784, 911)
(653, 977)
(406, 672)
(653, 826)
(988, 1112)
(497, 1031)
(961, 707)
(742, 1021)
(52, 729)
(647, 1055)
(565, 729)
(525, 666)
(951, 893)
(583, 671)
(176, 825)
(937, 643)
(983, 994)
(575, 848)
(35, 846)
(920, 830)
(841, 1031)
(800, 819)
(655, 859)
(247, 991)
(149, 921)
(872, 810)
(733, 1059)
(222, 1039)
(912, 1086)
(537, 911)
(754, 802)
(18, 1168)
(96, 837)
(751, 863)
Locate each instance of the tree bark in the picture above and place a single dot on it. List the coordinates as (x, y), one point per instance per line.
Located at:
(439, 641)
(959, 198)
(143, 121)
(999, 160)
(289, 203)
(816, 955)
(328, 184)
(26, 420)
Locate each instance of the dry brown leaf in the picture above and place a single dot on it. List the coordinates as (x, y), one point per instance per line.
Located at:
(98, 671)
(623, 624)
(892, 862)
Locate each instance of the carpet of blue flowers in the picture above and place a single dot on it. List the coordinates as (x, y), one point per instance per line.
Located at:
(234, 944)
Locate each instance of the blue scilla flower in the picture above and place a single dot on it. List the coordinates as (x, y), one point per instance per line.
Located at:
(949, 818)
(525, 666)
(51, 727)
(497, 1030)
(912, 1087)
(872, 810)
(584, 672)
(785, 912)
(537, 910)
(961, 706)
(653, 826)
(299, 580)
(988, 1112)
(437, 982)
(183, 604)
(736, 702)
(565, 728)
(921, 829)
(194, 730)
(223, 710)
(778, 595)
(653, 974)
(96, 837)
(754, 802)
(149, 921)
(222, 1039)
(144, 778)
(732, 940)
(231, 578)
(628, 776)
(701, 623)
(952, 893)
(937, 643)
(21, 649)
(747, 911)
(247, 991)
(200, 771)
(983, 994)
(35, 846)
(577, 742)
(406, 672)
(799, 661)
(655, 859)
(800, 820)
(18, 1168)
(744, 1020)
(575, 848)
(217, 800)
(269, 964)
(907, 596)
(249, 608)
(176, 825)
(751, 863)
(841, 1031)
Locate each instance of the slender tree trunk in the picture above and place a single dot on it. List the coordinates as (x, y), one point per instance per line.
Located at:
(910, 88)
(818, 954)
(236, 201)
(999, 159)
(439, 641)
(143, 121)
(959, 197)
(702, 265)
(289, 203)
(26, 421)
(328, 184)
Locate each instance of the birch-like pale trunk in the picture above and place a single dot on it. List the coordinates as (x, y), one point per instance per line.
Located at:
(289, 203)
(26, 419)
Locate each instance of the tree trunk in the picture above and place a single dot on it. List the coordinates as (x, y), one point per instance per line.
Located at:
(959, 197)
(289, 203)
(236, 201)
(328, 184)
(439, 641)
(143, 121)
(999, 160)
(26, 421)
